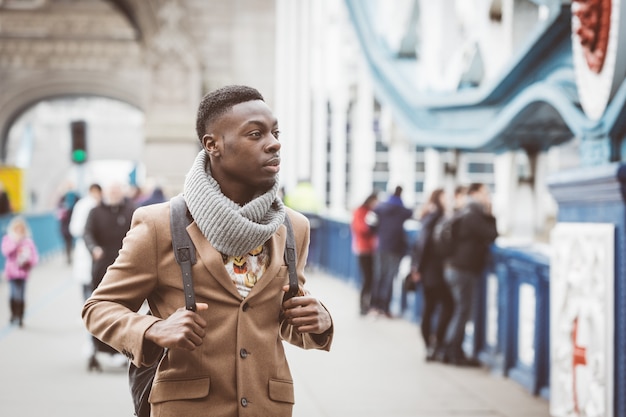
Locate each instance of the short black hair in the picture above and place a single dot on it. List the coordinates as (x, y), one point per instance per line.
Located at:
(218, 102)
(475, 187)
(95, 186)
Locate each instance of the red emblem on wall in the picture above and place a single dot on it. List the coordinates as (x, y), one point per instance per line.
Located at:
(592, 26)
(579, 358)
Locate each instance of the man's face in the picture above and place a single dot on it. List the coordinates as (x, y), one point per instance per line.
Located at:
(244, 149)
(113, 194)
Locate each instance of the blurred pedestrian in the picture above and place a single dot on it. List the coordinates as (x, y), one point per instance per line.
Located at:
(105, 228)
(460, 198)
(364, 243)
(475, 232)
(392, 247)
(156, 196)
(65, 208)
(135, 194)
(5, 202)
(83, 262)
(427, 268)
(21, 256)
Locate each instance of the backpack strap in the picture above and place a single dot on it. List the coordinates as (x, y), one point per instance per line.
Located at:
(290, 259)
(184, 250)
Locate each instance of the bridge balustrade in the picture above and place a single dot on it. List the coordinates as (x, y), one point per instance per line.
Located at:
(511, 328)
(512, 323)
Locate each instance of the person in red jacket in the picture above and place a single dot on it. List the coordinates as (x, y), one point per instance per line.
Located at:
(364, 242)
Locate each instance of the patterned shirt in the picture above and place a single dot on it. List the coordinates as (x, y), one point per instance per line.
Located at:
(247, 270)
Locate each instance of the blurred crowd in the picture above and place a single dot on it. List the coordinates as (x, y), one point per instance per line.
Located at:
(447, 260)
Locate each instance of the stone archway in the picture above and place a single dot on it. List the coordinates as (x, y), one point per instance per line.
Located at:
(28, 91)
(157, 55)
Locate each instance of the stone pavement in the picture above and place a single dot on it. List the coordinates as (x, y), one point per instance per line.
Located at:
(375, 368)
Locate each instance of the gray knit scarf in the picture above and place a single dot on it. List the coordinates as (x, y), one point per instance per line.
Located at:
(231, 229)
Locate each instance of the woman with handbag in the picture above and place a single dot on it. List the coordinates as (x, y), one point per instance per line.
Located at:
(21, 255)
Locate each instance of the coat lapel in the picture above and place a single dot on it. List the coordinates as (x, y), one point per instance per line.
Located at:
(212, 259)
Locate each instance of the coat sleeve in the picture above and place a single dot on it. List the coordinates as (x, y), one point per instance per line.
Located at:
(288, 333)
(34, 254)
(89, 232)
(9, 246)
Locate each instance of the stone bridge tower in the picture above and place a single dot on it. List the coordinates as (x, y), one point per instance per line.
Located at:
(159, 56)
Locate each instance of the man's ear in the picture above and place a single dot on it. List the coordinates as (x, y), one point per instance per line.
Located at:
(210, 144)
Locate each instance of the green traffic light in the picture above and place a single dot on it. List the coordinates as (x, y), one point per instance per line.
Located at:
(79, 156)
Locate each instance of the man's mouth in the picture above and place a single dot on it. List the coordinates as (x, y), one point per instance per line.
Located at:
(274, 162)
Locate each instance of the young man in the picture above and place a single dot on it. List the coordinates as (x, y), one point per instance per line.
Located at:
(227, 358)
(106, 225)
(392, 246)
(475, 232)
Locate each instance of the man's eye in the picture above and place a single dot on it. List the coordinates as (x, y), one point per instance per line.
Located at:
(276, 133)
(256, 134)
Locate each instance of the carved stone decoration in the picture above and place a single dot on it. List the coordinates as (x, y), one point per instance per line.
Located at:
(172, 58)
(582, 320)
(598, 52)
(592, 24)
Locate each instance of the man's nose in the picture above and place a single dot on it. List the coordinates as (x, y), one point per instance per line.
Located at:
(274, 145)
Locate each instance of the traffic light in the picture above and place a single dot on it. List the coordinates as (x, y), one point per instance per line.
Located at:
(79, 142)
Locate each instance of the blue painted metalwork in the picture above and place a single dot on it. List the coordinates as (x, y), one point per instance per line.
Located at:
(533, 105)
(531, 269)
(336, 258)
(335, 249)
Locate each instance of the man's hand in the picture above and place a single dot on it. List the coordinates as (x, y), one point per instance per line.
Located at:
(306, 313)
(182, 330)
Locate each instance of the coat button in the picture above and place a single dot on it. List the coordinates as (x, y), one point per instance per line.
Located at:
(245, 307)
(243, 353)
(244, 402)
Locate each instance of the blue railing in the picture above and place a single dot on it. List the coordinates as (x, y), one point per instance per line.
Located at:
(510, 331)
(513, 322)
(45, 231)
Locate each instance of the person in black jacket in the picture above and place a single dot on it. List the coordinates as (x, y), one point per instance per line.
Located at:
(473, 234)
(427, 268)
(106, 227)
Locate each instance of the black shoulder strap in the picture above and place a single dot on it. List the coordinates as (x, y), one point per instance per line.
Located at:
(290, 259)
(184, 251)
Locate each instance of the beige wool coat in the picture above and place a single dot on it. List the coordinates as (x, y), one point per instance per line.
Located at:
(240, 369)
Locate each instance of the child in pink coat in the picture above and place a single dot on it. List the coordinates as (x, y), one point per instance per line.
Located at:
(21, 255)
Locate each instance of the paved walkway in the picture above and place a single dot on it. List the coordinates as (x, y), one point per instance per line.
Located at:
(375, 368)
